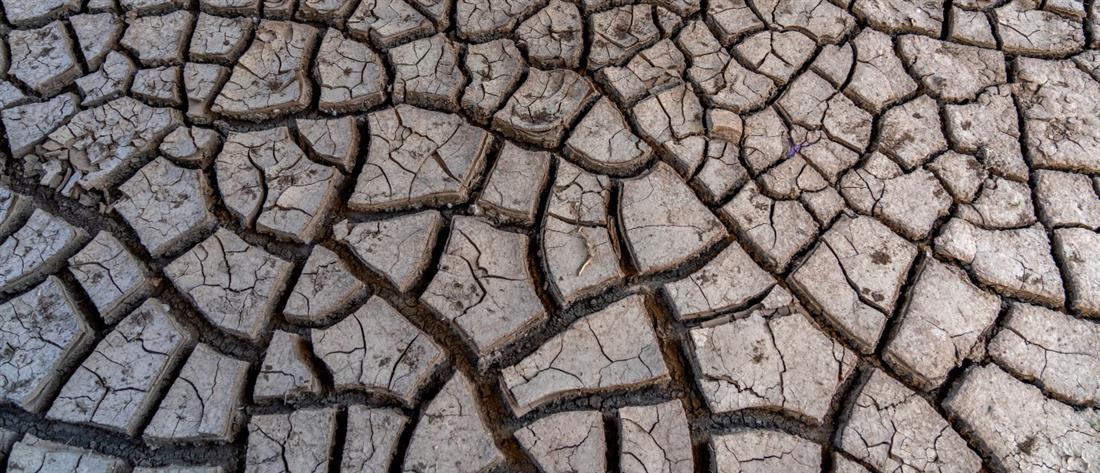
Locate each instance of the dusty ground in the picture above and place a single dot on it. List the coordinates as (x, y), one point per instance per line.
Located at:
(442, 236)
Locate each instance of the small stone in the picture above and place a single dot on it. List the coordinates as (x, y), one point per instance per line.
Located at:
(205, 401)
(566, 442)
(111, 276)
(286, 370)
(234, 284)
(944, 320)
(167, 206)
(451, 436)
(612, 348)
(727, 282)
(159, 40)
(484, 285)
(376, 348)
(398, 248)
(325, 286)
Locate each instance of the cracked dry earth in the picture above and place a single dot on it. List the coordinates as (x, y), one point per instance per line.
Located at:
(655, 236)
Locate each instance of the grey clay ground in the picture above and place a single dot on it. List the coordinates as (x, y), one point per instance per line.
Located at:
(642, 236)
